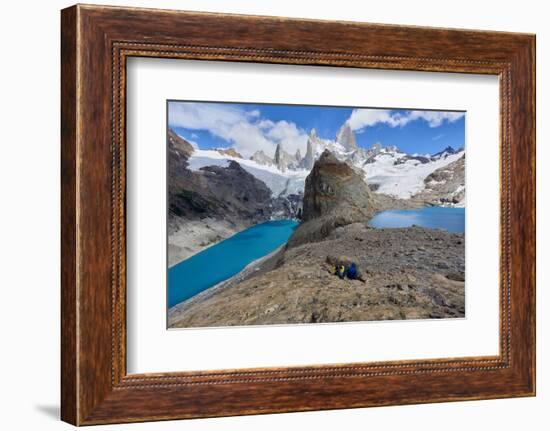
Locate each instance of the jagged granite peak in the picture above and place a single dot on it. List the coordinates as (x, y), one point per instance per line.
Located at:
(316, 141)
(298, 156)
(335, 195)
(313, 134)
(309, 158)
(346, 137)
(261, 158)
(278, 158)
(282, 159)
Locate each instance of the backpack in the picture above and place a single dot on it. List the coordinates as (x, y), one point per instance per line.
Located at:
(352, 271)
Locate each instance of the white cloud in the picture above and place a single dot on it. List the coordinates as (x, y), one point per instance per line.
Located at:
(244, 130)
(362, 118)
(265, 124)
(436, 118)
(289, 135)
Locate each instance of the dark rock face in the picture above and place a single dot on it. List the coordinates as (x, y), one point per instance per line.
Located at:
(179, 146)
(228, 193)
(335, 195)
(333, 187)
(288, 207)
(237, 190)
(278, 158)
(444, 153)
(406, 158)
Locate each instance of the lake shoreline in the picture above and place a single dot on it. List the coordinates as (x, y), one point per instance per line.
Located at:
(225, 259)
(187, 238)
(175, 312)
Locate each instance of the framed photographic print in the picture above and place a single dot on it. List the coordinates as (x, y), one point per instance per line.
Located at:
(265, 215)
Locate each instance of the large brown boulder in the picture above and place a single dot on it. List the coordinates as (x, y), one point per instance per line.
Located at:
(335, 195)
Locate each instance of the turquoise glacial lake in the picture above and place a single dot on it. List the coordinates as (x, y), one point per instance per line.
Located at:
(225, 259)
(451, 219)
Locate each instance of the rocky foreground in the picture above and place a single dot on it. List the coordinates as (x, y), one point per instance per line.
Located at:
(411, 273)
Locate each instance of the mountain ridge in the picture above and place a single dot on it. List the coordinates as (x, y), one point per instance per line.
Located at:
(386, 169)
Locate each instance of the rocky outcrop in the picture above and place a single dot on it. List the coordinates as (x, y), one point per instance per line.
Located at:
(371, 153)
(422, 159)
(287, 207)
(179, 146)
(228, 192)
(261, 158)
(334, 187)
(358, 156)
(446, 186)
(446, 152)
(231, 152)
(346, 137)
(392, 149)
(335, 195)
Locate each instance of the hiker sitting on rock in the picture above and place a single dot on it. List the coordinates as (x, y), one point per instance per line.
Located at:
(341, 272)
(343, 267)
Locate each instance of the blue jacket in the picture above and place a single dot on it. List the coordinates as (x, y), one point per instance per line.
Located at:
(352, 272)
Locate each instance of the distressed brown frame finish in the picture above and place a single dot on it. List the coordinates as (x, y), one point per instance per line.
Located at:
(96, 41)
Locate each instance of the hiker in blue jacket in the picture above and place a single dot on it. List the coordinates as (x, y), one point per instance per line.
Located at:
(352, 272)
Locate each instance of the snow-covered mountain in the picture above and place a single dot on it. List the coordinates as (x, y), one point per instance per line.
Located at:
(387, 170)
(281, 183)
(395, 173)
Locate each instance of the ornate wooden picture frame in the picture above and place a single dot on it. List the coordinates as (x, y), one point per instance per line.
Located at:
(96, 41)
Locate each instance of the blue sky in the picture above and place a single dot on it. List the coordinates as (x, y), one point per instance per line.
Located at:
(251, 127)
